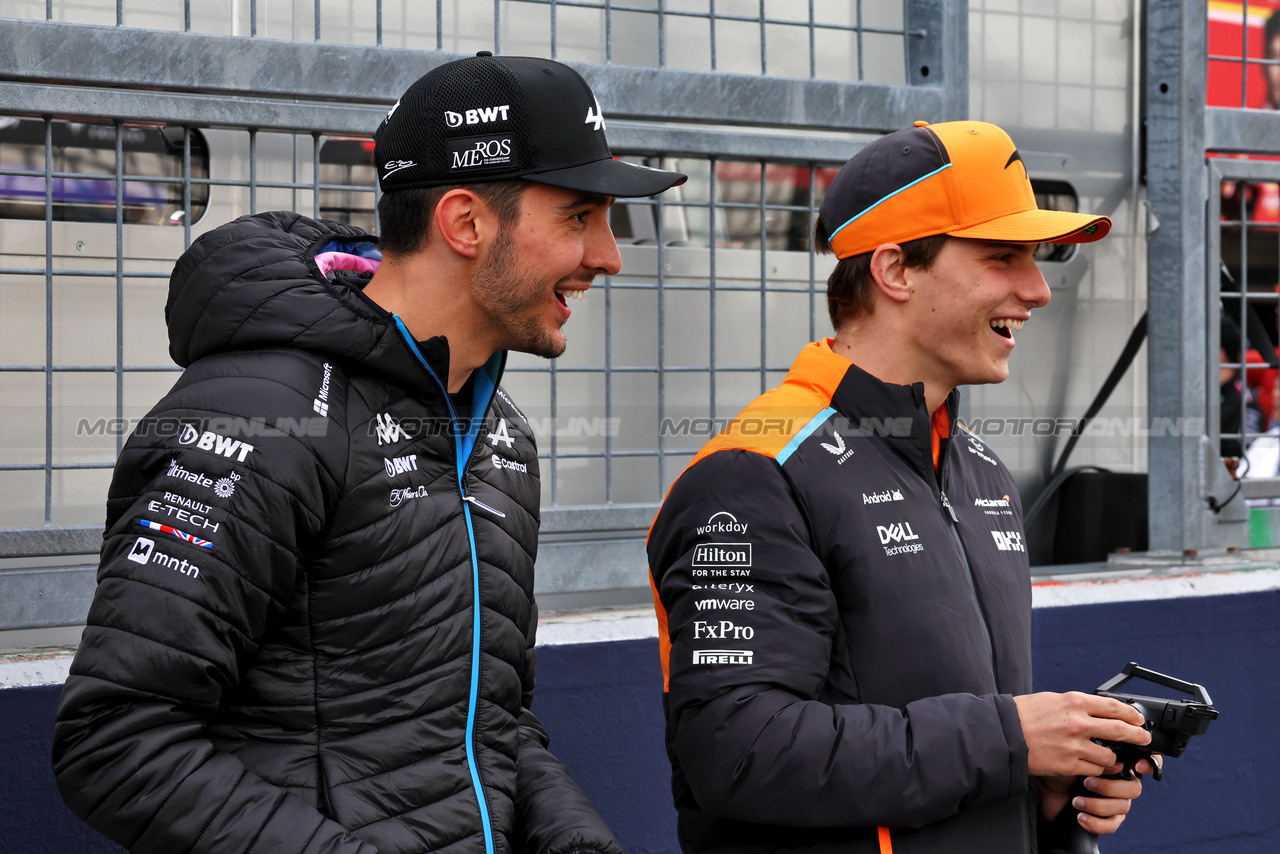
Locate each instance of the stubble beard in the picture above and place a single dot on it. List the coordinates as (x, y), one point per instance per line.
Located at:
(516, 300)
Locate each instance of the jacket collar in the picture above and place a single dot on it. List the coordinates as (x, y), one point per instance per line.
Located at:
(872, 404)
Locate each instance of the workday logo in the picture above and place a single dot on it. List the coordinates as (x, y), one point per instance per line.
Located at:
(723, 522)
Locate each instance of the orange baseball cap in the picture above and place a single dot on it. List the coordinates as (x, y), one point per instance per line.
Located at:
(965, 179)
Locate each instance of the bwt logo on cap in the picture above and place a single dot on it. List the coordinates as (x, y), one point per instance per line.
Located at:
(478, 116)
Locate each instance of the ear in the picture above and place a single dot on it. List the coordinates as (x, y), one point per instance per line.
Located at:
(462, 220)
(889, 272)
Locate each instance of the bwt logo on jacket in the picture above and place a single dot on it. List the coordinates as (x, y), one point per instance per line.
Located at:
(1009, 541)
(478, 116)
(721, 630)
(898, 532)
(218, 444)
(400, 465)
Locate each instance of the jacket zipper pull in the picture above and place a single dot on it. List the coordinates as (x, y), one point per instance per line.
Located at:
(477, 502)
(947, 504)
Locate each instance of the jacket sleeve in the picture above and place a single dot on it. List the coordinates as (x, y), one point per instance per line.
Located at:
(750, 619)
(553, 815)
(174, 626)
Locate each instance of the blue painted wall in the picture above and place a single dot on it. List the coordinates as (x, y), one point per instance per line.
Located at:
(601, 704)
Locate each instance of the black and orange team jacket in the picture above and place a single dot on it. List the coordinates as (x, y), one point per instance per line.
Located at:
(843, 628)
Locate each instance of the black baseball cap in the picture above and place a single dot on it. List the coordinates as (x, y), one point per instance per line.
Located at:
(491, 118)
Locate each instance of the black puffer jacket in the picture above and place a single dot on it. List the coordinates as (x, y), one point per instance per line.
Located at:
(314, 623)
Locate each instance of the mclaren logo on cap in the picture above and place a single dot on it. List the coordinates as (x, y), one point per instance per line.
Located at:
(392, 111)
(1016, 157)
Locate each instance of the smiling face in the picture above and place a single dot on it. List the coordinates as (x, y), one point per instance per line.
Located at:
(558, 245)
(965, 308)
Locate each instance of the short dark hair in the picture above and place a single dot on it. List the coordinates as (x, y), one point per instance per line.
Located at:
(849, 287)
(1269, 32)
(405, 215)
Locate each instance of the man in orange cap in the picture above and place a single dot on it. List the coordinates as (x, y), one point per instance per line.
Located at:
(841, 578)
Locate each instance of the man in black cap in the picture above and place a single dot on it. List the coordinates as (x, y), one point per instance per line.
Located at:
(314, 624)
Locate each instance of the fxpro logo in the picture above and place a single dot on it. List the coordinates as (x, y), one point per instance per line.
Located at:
(721, 630)
(723, 522)
(722, 656)
(215, 443)
(478, 116)
(1009, 541)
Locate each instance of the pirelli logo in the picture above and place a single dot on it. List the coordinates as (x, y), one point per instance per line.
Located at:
(722, 656)
(722, 554)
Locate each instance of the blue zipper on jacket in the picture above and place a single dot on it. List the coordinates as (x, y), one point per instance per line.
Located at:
(463, 446)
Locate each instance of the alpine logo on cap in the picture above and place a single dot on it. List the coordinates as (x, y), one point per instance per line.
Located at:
(595, 116)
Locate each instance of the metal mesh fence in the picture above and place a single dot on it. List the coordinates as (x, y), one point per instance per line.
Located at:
(718, 289)
(846, 40)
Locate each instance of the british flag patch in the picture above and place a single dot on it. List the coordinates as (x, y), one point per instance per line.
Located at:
(182, 535)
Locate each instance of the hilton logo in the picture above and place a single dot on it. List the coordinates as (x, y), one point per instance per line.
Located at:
(722, 656)
(722, 554)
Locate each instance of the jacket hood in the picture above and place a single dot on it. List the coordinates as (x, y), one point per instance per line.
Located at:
(255, 283)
